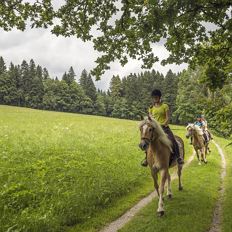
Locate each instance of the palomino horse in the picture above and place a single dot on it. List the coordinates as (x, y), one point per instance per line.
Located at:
(198, 141)
(159, 150)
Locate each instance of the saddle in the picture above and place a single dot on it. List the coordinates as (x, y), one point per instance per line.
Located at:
(175, 147)
(206, 136)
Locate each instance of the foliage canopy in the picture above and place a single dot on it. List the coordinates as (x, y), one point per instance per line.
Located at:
(129, 28)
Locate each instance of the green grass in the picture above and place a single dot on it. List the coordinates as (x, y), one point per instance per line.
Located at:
(189, 210)
(227, 200)
(63, 171)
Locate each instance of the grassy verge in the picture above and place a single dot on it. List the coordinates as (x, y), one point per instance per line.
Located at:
(189, 210)
(227, 200)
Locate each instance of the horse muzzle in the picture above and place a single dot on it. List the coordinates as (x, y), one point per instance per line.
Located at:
(143, 145)
(188, 134)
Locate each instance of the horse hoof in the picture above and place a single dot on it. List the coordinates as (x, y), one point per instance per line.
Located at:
(199, 163)
(180, 188)
(169, 196)
(205, 161)
(160, 214)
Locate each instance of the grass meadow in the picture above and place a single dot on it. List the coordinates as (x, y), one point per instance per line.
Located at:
(72, 172)
(57, 169)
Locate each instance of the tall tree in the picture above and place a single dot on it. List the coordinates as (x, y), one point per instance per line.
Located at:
(116, 87)
(36, 93)
(39, 72)
(2, 65)
(69, 77)
(45, 74)
(16, 83)
(32, 68)
(88, 86)
(27, 80)
(170, 89)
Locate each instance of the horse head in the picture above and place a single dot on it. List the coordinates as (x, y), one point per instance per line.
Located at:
(151, 131)
(191, 128)
(147, 128)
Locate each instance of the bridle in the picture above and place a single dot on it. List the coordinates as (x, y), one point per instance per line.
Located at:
(148, 140)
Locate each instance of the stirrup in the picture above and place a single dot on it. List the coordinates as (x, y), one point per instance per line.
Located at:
(180, 161)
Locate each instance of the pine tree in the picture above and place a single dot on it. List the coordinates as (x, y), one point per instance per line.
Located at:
(4, 87)
(170, 88)
(88, 86)
(16, 83)
(45, 74)
(65, 77)
(26, 80)
(2, 65)
(116, 87)
(32, 69)
(39, 72)
(70, 76)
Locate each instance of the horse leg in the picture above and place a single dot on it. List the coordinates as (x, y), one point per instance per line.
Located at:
(199, 162)
(169, 190)
(204, 153)
(163, 177)
(179, 171)
(154, 172)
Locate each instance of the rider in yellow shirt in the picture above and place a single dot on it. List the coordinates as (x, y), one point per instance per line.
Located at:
(160, 111)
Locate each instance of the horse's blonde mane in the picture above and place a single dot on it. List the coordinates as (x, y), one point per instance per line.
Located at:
(163, 138)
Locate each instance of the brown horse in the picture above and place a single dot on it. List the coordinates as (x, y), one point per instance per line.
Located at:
(159, 151)
(198, 141)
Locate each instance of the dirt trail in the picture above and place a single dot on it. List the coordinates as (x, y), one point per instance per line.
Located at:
(216, 222)
(126, 217)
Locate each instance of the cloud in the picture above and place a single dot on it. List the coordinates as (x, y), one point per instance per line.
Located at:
(57, 54)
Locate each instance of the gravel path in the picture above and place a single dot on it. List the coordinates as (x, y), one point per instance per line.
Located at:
(126, 217)
(216, 222)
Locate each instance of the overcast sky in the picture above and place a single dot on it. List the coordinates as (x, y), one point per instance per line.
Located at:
(57, 54)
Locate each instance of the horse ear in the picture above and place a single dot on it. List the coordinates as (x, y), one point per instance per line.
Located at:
(149, 118)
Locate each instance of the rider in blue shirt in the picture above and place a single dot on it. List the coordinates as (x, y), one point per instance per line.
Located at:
(199, 121)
